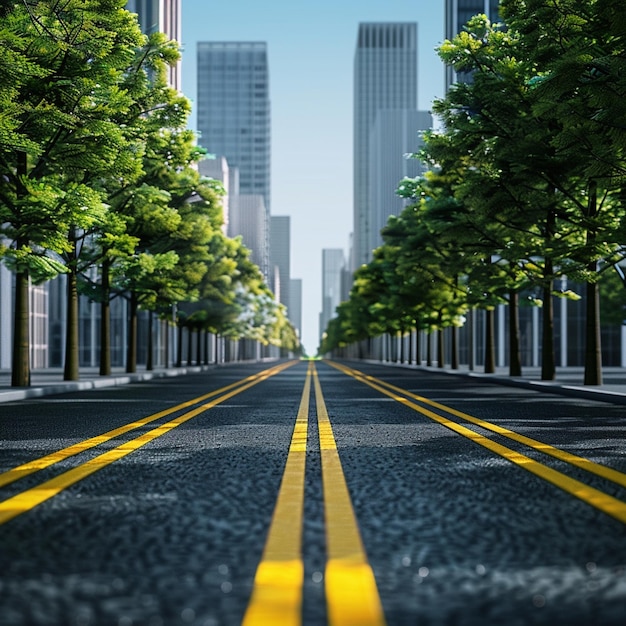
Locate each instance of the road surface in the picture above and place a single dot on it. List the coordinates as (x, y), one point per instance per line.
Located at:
(312, 493)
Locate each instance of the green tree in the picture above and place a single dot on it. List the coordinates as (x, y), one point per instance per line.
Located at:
(71, 59)
(578, 50)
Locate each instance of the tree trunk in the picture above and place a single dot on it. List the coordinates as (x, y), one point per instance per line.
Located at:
(454, 364)
(105, 323)
(515, 356)
(429, 349)
(548, 365)
(593, 349)
(402, 355)
(131, 349)
(71, 371)
(190, 346)
(593, 344)
(548, 362)
(166, 341)
(418, 347)
(490, 341)
(150, 344)
(20, 369)
(410, 356)
(179, 350)
(441, 359)
(199, 347)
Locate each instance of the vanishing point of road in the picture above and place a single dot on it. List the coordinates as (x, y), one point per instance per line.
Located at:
(313, 493)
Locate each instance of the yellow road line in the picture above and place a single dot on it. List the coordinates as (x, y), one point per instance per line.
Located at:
(351, 593)
(277, 592)
(594, 497)
(593, 468)
(36, 465)
(29, 499)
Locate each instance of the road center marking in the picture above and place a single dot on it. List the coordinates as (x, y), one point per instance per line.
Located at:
(598, 499)
(29, 499)
(277, 592)
(351, 592)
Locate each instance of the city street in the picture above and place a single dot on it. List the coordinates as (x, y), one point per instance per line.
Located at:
(312, 492)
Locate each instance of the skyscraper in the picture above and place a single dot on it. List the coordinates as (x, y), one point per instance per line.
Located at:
(160, 16)
(457, 13)
(333, 263)
(234, 110)
(394, 135)
(280, 253)
(385, 78)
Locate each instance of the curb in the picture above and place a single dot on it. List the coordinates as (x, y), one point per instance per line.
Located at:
(571, 391)
(41, 390)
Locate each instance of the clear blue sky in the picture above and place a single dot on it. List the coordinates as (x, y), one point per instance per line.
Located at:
(311, 52)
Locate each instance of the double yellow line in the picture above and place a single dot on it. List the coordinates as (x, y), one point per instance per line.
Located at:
(351, 593)
(30, 498)
(602, 501)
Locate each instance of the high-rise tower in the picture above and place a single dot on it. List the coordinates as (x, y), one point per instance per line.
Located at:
(458, 12)
(234, 110)
(385, 78)
(161, 16)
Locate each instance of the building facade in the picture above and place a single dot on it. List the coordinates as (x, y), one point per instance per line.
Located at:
(395, 135)
(249, 221)
(295, 304)
(333, 266)
(234, 110)
(280, 258)
(385, 78)
(457, 14)
(161, 16)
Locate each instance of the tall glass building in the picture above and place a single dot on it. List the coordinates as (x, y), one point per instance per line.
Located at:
(457, 14)
(385, 78)
(234, 110)
(161, 16)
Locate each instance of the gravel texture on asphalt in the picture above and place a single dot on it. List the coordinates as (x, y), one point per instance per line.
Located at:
(172, 533)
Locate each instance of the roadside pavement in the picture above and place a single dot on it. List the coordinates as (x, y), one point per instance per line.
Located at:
(568, 382)
(49, 381)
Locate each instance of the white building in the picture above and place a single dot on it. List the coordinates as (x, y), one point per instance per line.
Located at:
(457, 14)
(249, 221)
(218, 169)
(234, 110)
(385, 78)
(394, 135)
(333, 264)
(295, 304)
(161, 16)
(280, 254)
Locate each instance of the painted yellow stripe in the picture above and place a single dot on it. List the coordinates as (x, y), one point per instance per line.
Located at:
(36, 465)
(277, 592)
(351, 592)
(29, 499)
(593, 468)
(594, 497)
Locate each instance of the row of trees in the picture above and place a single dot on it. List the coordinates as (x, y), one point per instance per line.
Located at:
(526, 183)
(97, 171)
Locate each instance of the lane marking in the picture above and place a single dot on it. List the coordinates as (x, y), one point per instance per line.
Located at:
(29, 499)
(594, 497)
(590, 466)
(277, 592)
(351, 593)
(10, 476)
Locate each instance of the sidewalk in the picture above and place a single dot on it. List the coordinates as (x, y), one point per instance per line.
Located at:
(569, 380)
(50, 381)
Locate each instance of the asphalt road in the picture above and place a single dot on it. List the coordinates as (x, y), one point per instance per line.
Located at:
(175, 521)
